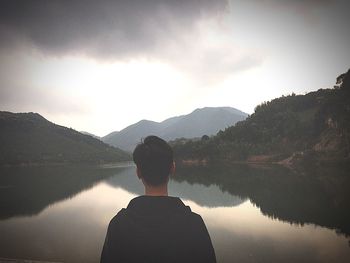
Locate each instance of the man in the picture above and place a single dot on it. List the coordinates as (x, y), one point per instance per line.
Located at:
(156, 227)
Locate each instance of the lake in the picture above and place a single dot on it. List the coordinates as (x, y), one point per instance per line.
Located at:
(253, 214)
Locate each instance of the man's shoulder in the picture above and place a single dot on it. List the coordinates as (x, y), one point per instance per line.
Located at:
(118, 218)
(143, 210)
(195, 220)
(196, 216)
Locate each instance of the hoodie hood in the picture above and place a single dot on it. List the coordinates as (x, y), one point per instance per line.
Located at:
(156, 211)
(157, 205)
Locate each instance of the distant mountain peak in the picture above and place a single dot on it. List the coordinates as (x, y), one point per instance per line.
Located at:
(201, 121)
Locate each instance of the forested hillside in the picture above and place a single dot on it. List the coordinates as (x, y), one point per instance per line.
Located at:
(27, 138)
(289, 129)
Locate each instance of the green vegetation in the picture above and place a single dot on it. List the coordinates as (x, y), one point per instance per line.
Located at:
(292, 129)
(28, 138)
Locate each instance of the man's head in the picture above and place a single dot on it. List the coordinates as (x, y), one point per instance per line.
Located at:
(154, 160)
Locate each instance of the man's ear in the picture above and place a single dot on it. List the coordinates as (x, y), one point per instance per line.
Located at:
(138, 173)
(172, 169)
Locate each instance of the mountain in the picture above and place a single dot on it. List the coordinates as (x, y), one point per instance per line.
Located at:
(27, 138)
(205, 121)
(295, 129)
(90, 134)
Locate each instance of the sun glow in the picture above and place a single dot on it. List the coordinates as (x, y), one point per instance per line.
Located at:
(124, 92)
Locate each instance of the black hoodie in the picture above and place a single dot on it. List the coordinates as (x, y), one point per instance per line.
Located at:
(157, 229)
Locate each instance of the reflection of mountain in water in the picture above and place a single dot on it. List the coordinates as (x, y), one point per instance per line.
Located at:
(320, 196)
(28, 190)
(210, 196)
(127, 180)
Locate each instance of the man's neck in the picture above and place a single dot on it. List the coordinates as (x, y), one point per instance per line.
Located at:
(161, 190)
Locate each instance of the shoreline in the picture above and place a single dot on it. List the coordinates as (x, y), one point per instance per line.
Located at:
(52, 164)
(15, 260)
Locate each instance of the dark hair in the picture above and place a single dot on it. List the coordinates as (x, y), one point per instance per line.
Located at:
(154, 158)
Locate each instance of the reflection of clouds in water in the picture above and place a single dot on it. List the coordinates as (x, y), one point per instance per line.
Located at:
(102, 200)
(72, 230)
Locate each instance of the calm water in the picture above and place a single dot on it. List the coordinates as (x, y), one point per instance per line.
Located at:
(253, 214)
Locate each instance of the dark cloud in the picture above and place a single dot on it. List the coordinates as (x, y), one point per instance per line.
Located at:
(109, 29)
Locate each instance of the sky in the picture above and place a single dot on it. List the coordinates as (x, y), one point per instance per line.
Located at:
(99, 66)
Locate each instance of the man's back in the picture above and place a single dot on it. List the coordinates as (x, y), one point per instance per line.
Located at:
(157, 229)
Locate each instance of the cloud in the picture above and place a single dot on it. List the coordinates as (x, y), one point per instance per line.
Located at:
(20, 90)
(173, 32)
(21, 97)
(27, 98)
(306, 8)
(109, 29)
(298, 3)
(212, 63)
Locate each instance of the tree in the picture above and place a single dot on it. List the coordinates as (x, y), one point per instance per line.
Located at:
(205, 138)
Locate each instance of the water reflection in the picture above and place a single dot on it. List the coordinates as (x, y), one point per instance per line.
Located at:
(29, 190)
(244, 234)
(204, 195)
(73, 206)
(69, 231)
(319, 196)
